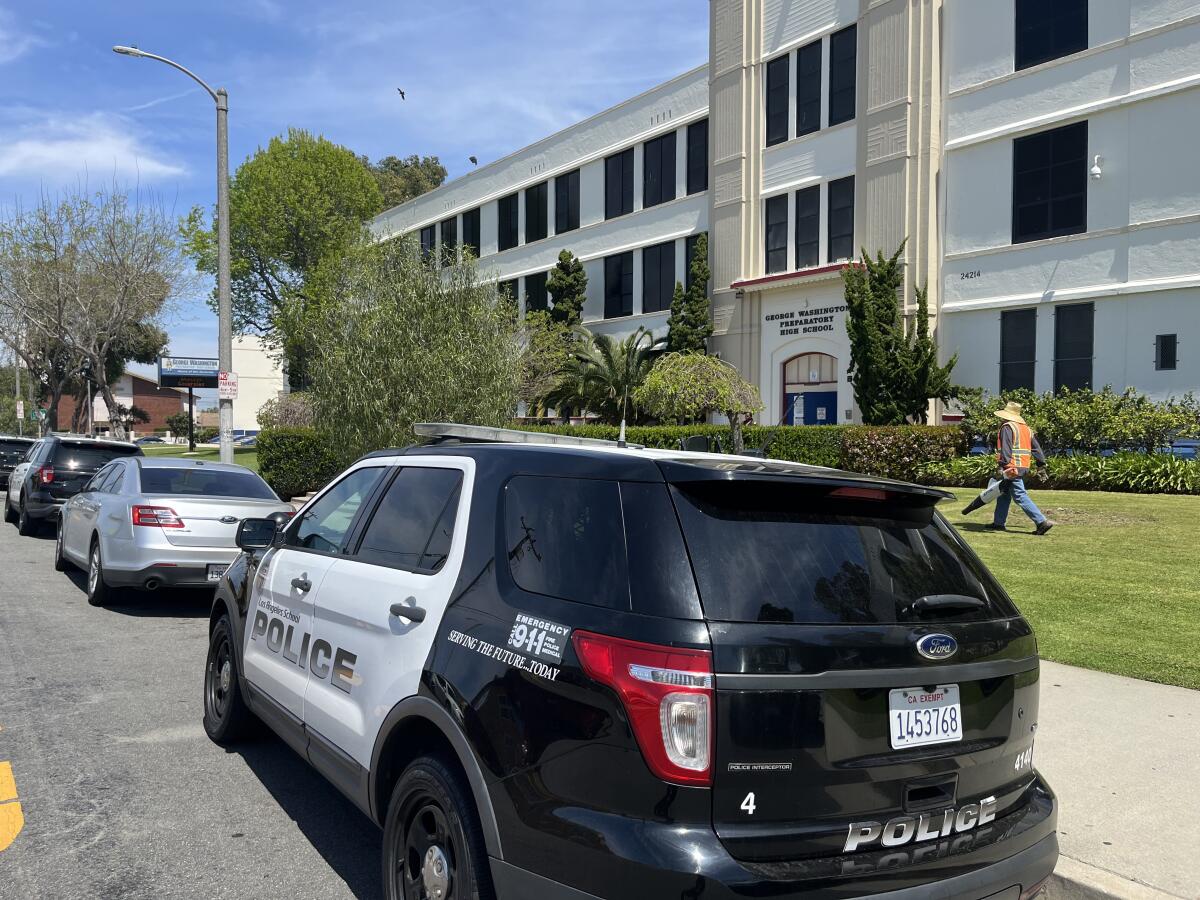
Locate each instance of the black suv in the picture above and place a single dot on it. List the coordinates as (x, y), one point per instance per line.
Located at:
(584, 672)
(12, 451)
(54, 470)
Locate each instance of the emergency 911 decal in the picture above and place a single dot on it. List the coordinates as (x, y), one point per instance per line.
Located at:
(538, 637)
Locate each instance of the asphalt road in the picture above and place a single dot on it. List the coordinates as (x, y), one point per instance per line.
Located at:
(122, 793)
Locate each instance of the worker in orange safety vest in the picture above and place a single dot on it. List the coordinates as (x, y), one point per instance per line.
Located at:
(1017, 449)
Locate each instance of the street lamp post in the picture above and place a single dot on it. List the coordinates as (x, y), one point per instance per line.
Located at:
(224, 309)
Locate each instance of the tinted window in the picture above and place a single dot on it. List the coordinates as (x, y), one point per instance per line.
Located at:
(841, 219)
(618, 285)
(1050, 183)
(470, 228)
(778, 77)
(808, 89)
(535, 291)
(326, 523)
(1073, 343)
(428, 241)
(449, 239)
(508, 289)
(808, 227)
(843, 72)
(414, 522)
(658, 170)
(87, 457)
(1018, 348)
(618, 184)
(510, 224)
(97, 481)
(536, 198)
(776, 233)
(660, 577)
(205, 482)
(1048, 29)
(1166, 348)
(766, 552)
(658, 277)
(697, 157)
(566, 202)
(12, 452)
(565, 538)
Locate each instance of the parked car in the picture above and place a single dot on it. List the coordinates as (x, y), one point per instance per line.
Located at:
(150, 439)
(554, 669)
(144, 523)
(55, 469)
(12, 451)
(249, 440)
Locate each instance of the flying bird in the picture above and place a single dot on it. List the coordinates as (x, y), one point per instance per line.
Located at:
(473, 160)
(401, 91)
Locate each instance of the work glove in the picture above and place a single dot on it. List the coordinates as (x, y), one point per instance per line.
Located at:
(1043, 473)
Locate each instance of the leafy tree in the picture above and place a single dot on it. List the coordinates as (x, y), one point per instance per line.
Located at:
(688, 386)
(603, 373)
(400, 341)
(294, 210)
(177, 424)
(290, 410)
(689, 326)
(546, 349)
(893, 368)
(401, 180)
(567, 285)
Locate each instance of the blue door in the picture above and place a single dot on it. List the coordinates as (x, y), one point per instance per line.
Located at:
(820, 408)
(793, 408)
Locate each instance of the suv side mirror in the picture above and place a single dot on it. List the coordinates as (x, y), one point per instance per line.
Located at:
(256, 534)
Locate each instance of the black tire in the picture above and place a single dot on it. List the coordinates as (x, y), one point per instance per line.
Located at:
(227, 719)
(432, 822)
(98, 593)
(60, 561)
(27, 526)
(9, 515)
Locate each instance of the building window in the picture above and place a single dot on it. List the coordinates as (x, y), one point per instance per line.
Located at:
(697, 157)
(449, 240)
(1165, 352)
(535, 211)
(1018, 348)
(776, 233)
(658, 170)
(808, 227)
(510, 223)
(808, 89)
(841, 219)
(778, 77)
(658, 277)
(470, 228)
(618, 285)
(566, 202)
(428, 241)
(618, 184)
(843, 72)
(535, 292)
(1050, 183)
(1049, 29)
(689, 249)
(1074, 330)
(508, 289)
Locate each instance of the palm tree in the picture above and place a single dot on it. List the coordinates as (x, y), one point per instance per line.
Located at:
(603, 373)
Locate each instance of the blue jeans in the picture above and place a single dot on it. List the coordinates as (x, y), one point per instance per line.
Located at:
(1015, 490)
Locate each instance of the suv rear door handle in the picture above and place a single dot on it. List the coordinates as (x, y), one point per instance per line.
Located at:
(302, 584)
(412, 613)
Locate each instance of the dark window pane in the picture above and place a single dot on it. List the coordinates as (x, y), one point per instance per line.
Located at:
(510, 223)
(841, 219)
(660, 577)
(536, 198)
(1014, 376)
(1166, 348)
(808, 227)
(198, 481)
(1073, 343)
(428, 241)
(618, 285)
(326, 523)
(770, 552)
(1018, 348)
(1049, 29)
(776, 233)
(87, 457)
(808, 89)
(470, 228)
(777, 99)
(843, 73)
(658, 170)
(1050, 183)
(565, 537)
(535, 291)
(697, 157)
(618, 184)
(449, 229)
(413, 525)
(566, 202)
(508, 289)
(658, 277)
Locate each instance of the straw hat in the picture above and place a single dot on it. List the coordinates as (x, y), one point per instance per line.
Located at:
(1010, 413)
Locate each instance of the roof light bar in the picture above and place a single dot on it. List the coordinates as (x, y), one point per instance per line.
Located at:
(488, 435)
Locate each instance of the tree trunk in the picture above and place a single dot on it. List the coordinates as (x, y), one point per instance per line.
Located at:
(52, 409)
(115, 425)
(735, 436)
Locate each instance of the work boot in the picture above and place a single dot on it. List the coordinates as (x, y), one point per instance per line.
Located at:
(1043, 527)
(972, 506)
(992, 526)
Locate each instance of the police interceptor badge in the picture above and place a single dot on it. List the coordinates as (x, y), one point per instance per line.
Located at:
(538, 637)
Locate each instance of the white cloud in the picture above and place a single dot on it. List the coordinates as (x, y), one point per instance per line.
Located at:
(57, 148)
(15, 43)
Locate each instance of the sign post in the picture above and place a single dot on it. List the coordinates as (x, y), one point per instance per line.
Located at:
(191, 422)
(20, 416)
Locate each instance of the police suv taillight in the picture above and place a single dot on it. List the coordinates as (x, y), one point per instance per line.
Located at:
(45, 475)
(668, 695)
(162, 516)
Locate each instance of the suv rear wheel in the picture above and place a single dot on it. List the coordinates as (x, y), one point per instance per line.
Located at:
(432, 843)
(26, 526)
(226, 717)
(9, 515)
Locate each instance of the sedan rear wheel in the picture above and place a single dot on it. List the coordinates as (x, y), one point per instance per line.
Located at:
(60, 561)
(98, 593)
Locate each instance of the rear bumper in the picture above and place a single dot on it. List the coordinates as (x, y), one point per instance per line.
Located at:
(41, 505)
(176, 567)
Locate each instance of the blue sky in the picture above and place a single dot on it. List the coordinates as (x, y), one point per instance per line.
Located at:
(481, 77)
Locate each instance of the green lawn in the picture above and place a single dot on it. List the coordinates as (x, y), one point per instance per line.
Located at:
(247, 457)
(1115, 586)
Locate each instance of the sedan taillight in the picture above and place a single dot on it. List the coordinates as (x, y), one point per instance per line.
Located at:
(162, 516)
(667, 693)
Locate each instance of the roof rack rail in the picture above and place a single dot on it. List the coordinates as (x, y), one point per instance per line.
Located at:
(484, 434)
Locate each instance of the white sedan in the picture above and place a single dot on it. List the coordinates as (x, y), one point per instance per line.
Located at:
(142, 523)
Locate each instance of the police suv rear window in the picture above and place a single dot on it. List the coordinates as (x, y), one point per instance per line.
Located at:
(768, 552)
(89, 456)
(202, 482)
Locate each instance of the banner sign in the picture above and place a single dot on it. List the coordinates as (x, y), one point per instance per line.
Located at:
(187, 372)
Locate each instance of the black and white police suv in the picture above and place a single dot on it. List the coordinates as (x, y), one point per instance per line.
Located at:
(553, 669)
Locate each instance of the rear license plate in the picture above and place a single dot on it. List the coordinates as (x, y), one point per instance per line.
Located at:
(919, 717)
(215, 572)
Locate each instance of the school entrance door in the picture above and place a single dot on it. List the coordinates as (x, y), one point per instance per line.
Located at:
(810, 394)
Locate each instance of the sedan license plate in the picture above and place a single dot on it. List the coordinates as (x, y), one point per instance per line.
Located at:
(918, 716)
(215, 572)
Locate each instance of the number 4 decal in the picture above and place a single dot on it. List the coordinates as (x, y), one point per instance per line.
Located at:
(748, 804)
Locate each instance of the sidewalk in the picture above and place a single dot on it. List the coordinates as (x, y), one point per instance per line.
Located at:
(1124, 758)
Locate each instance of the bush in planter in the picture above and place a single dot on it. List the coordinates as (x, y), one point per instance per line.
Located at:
(294, 461)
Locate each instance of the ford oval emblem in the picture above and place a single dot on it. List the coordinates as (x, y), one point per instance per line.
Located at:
(228, 520)
(937, 646)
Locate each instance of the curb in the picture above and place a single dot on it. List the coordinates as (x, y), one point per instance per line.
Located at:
(1074, 880)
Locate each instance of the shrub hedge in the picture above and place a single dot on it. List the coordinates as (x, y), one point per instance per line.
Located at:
(294, 461)
(1128, 473)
